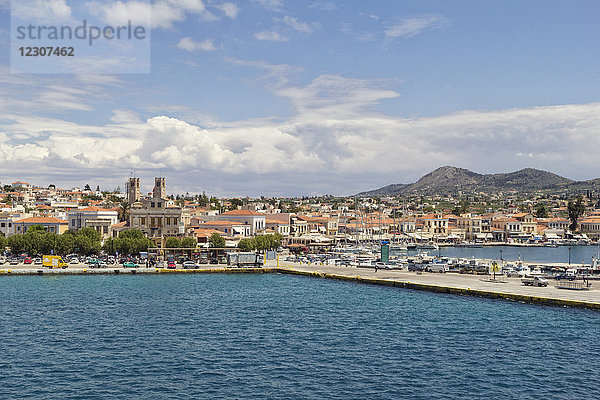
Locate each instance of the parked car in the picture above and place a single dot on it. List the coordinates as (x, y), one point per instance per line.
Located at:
(189, 264)
(38, 261)
(534, 281)
(27, 260)
(564, 276)
(130, 264)
(415, 267)
(171, 264)
(14, 261)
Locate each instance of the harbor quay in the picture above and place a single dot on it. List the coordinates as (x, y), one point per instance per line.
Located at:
(504, 288)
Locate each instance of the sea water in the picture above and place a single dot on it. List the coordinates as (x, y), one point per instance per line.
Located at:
(561, 254)
(273, 336)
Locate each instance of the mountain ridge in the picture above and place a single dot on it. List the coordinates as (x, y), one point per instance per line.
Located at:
(449, 179)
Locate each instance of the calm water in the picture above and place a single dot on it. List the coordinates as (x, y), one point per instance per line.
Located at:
(530, 254)
(283, 337)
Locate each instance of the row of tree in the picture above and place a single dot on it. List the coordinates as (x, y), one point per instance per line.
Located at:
(186, 242)
(264, 242)
(131, 241)
(36, 241)
(87, 241)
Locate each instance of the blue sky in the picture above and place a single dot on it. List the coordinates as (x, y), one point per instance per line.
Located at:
(280, 97)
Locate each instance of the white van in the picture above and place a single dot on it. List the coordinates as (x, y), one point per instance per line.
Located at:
(439, 267)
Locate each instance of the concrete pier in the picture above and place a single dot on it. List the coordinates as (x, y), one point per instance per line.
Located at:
(451, 283)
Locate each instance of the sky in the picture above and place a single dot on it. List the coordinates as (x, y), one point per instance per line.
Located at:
(293, 98)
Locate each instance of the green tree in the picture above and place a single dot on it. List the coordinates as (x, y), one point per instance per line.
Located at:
(189, 242)
(131, 233)
(65, 243)
(84, 245)
(130, 241)
(123, 211)
(34, 228)
(235, 203)
(2, 242)
(203, 200)
(263, 242)
(172, 243)
(541, 211)
(246, 244)
(576, 209)
(216, 240)
(16, 243)
(462, 208)
(93, 234)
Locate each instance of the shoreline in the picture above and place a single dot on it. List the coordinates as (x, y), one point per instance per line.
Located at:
(448, 283)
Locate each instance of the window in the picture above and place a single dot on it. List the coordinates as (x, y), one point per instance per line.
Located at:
(2, 225)
(158, 204)
(152, 204)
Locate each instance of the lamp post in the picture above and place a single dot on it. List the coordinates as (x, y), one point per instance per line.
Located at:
(569, 255)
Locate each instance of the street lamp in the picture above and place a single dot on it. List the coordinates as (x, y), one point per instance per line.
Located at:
(569, 255)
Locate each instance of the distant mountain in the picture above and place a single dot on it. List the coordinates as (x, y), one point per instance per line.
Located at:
(447, 180)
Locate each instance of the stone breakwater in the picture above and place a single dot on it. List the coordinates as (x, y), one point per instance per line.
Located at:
(469, 285)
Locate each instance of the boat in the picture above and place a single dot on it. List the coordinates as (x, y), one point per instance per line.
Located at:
(428, 246)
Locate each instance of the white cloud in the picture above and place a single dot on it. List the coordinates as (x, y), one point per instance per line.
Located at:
(323, 5)
(298, 25)
(333, 141)
(41, 10)
(230, 10)
(274, 5)
(272, 36)
(348, 29)
(190, 45)
(336, 96)
(161, 13)
(410, 27)
(275, 77)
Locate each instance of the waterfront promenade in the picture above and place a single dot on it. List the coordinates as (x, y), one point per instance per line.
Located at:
(451, 283)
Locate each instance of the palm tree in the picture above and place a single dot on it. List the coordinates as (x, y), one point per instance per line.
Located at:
(123, 211)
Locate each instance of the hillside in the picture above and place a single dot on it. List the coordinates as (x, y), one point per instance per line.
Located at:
(445, 180)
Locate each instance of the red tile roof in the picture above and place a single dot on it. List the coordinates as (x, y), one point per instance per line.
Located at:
(244, 213)
(95, 208)
(41, 220)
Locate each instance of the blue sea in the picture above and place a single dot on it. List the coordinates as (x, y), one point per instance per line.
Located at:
(562, 254)
(283, 337)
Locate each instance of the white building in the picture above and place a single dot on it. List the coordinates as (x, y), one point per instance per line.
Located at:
(256, 221)
(98, 218)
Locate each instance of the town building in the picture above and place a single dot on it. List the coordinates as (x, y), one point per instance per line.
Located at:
(98, 218)
(50, 224)
(255, 220)
(155, 217)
